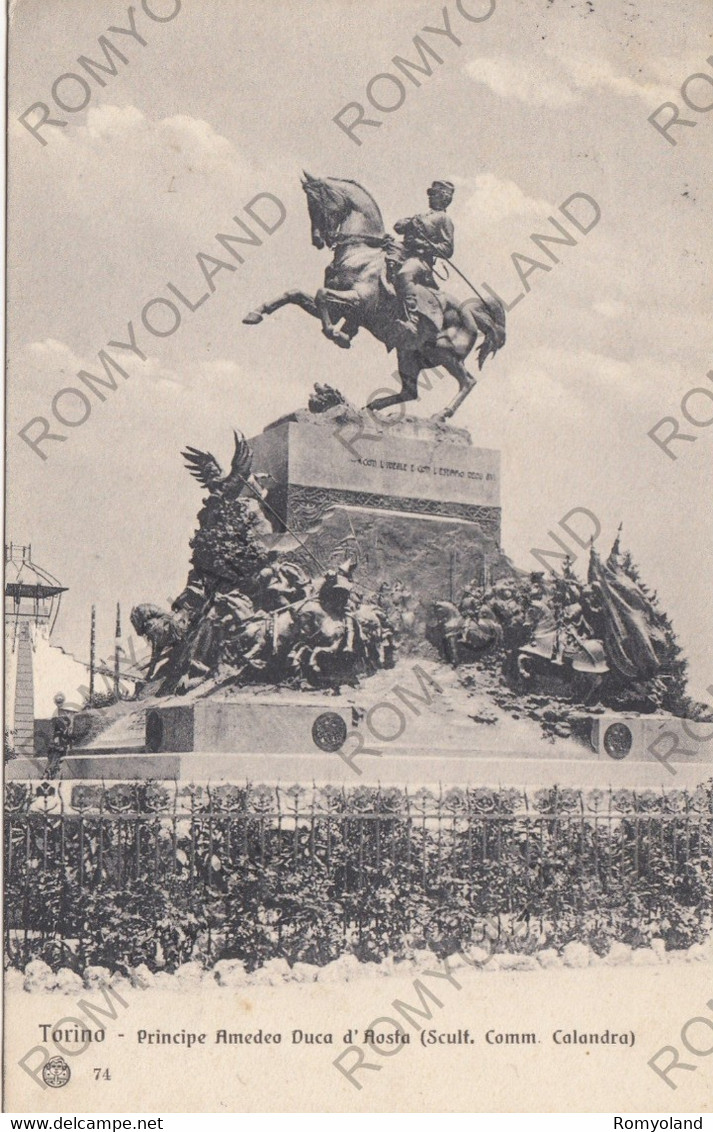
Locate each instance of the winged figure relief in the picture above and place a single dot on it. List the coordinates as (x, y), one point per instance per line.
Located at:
(239, 480)
(204, 467)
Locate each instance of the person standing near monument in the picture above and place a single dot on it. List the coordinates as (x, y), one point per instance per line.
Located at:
(425, 238)
(61, 738)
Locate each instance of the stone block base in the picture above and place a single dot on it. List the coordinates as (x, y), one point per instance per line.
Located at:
(250, 726)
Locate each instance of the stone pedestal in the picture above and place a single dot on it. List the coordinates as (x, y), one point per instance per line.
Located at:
(275, 725)
(415, 501)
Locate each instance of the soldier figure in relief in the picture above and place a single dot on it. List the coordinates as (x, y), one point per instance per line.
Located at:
(281, 583)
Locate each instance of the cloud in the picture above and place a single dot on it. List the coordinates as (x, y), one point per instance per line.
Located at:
(492, 199)
(155, 405)
(508, 78)
(54, 363)
(611, 309)
(161, 174)
(562, 80)
(197, 146)
(127, 201)
(198, 394)
(592, 72)
(196, 151)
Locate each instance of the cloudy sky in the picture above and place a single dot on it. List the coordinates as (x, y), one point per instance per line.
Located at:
(229, 99)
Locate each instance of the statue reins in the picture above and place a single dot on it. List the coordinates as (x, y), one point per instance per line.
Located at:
(370, 241)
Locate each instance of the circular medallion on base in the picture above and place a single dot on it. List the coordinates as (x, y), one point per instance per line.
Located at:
(329, 731)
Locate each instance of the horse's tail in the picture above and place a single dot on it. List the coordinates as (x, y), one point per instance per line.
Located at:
(489, 319)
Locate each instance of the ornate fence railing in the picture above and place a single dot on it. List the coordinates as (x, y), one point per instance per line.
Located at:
(157, 873)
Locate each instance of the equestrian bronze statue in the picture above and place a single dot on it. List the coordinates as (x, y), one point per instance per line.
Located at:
(389, 288)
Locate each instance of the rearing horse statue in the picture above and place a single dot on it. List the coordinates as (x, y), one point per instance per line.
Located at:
(357, 293)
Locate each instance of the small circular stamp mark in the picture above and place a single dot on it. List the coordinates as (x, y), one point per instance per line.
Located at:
(56, 1072)
(329, 731)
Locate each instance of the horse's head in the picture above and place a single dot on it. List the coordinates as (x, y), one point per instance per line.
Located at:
(141, 615)
(332, 202)
(444, 610)
(327, 209)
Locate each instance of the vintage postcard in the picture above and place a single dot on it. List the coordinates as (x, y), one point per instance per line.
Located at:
(358, 668)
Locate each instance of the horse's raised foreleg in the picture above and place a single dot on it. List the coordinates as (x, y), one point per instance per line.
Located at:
(341, 299)
(299, 298)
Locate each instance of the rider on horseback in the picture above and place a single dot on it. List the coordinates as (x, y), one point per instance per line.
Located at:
(281, 583)
(425, 238)
(336, 596)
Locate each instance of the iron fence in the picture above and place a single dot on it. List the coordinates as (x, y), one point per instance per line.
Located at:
(261, 863)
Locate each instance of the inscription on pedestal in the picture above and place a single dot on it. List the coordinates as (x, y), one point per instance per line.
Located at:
(315, 466)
